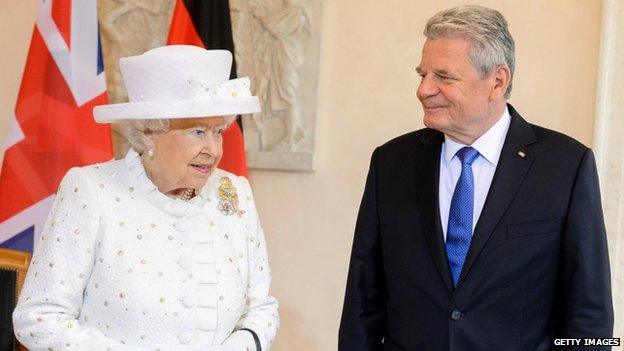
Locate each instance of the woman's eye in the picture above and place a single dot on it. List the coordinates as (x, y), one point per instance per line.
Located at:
(198, 132)
(217, 132)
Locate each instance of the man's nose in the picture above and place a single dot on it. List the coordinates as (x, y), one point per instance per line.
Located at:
(426, 88)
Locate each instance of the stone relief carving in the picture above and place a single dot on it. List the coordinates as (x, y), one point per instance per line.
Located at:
(277, 45)
(129, 28)
(278, 61)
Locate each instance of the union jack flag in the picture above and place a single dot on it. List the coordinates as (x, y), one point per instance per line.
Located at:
(52, 129)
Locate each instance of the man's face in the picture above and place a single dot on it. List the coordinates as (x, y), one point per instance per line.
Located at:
(455, 99)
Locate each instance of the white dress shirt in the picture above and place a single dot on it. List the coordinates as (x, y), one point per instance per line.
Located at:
(489, 146)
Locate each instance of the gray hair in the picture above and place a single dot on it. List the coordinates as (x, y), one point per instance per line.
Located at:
(491, 43)
(135, 129)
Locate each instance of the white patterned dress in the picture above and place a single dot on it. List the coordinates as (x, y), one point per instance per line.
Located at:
(121, 266)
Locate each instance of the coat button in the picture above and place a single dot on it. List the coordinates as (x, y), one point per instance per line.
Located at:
(185, 262)
(456, 315)
(189, 301)
(181, 227)
(185, 338)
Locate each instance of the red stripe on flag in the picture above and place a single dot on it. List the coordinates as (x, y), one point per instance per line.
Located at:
(58, 135)
(61, 13)
(234, 159)
(183, 31)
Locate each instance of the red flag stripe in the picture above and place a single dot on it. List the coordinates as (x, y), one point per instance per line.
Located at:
(183, 31)
(57, 133)
(61, 13)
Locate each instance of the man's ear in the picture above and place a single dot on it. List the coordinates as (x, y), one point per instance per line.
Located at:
(502, 79)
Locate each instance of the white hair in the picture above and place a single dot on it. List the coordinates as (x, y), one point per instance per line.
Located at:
(135, 129)
(491, 43)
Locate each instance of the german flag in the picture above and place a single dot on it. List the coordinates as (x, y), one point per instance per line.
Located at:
(207, 24)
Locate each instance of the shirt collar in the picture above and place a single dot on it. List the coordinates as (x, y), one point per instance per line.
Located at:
(489, 145)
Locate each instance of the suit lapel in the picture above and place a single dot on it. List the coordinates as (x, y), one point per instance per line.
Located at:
(510, 172)
(427, 169)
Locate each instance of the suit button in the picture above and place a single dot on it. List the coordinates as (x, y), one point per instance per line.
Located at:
(456, 315)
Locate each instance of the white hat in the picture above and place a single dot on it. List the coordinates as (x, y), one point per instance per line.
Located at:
(179, 81)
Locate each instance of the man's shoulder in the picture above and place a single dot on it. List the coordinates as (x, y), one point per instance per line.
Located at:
(542, 139)
(553, 140)
(412, 140)
(547, 140)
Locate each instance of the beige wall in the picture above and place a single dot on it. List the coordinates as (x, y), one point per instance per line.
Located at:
(369, 51)
(17, 19)
(367, 96)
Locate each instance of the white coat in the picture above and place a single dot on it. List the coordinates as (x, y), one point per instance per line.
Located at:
(121, 266)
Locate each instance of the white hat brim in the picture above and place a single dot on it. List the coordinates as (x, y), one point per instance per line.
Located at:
(208, 107)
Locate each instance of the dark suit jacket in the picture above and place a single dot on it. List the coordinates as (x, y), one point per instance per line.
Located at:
(537, 267)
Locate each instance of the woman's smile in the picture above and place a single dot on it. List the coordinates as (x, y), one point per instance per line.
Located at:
(204, 169)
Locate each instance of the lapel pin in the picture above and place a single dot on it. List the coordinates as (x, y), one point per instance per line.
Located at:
(521, 153)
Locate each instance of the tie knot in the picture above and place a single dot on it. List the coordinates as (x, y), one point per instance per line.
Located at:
(467, 155)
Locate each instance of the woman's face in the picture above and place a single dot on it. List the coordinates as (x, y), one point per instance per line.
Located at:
(186, 155)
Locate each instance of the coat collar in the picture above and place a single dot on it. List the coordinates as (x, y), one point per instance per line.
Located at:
(515, 161)
(426, 169)
(511, 169)
(172, 206)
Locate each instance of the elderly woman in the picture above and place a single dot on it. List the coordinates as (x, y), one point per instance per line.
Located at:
(161, 250)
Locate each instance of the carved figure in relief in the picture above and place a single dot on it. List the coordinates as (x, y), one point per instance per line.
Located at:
(280, 29)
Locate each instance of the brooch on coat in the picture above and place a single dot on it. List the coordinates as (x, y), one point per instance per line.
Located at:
(228, 198)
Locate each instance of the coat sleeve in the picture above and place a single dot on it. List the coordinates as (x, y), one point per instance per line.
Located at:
(363, 324)
(587, 310)
(47, 314)
(261, 314)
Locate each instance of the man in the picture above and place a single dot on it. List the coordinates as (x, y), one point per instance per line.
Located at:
(482, 231)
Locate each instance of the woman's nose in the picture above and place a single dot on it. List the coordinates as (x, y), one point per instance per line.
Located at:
(212, 144)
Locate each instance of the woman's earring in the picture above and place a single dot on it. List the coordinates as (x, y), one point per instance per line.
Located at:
(150, 152)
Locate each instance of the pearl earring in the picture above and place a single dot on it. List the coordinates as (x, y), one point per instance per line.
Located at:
(150, 152)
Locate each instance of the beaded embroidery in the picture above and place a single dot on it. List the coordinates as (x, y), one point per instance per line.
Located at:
(228, 198)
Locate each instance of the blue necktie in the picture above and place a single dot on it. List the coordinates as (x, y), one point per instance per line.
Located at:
(459, 229)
